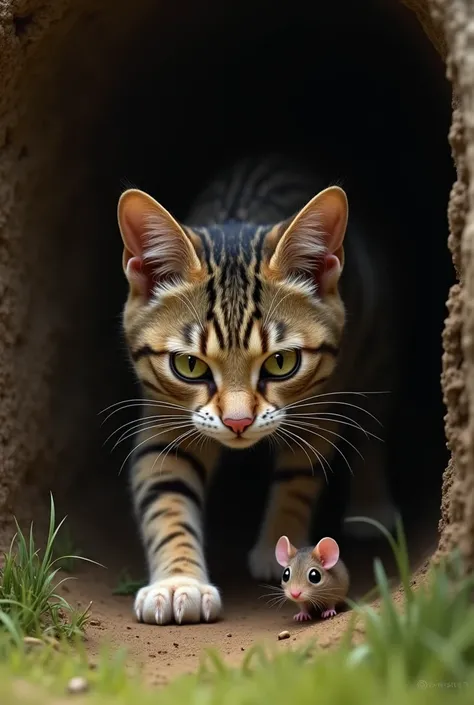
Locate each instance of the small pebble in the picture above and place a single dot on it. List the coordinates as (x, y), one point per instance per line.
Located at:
(95, 623)
(32, 641)
(77, 685)
(175, 644)
(229, 634)
(283, 635)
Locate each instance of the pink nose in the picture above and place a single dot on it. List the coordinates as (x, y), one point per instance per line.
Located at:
(237, 425)
(295, 593)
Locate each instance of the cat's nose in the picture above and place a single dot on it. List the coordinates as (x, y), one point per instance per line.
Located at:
(237, 425)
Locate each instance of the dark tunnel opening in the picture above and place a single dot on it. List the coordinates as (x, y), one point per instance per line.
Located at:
(362, 94)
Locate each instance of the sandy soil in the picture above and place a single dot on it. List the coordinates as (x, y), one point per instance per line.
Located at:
(101, 524)
(165, 652)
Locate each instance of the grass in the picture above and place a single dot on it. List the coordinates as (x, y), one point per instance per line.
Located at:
(420, 652)
(29, 602)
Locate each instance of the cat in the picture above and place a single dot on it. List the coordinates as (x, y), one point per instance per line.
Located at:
(245, 323)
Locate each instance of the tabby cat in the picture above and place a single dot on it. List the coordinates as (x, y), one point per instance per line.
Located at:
(240, 327)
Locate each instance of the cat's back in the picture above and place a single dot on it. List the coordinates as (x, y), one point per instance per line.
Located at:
(259, 190)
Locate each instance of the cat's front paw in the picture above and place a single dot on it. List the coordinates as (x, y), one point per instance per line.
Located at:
(177, 599)
(263, 564)
(385, 514)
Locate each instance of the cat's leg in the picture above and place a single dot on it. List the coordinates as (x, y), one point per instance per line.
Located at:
(169, 497)
(293, 492)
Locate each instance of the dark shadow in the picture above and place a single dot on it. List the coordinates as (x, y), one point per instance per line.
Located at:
(362, 93)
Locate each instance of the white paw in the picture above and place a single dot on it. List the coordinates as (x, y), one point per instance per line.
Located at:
(385, 514)
(178, 599)
(262, 563)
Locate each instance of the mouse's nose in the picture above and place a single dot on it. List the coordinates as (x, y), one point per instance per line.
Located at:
(237, 425)
(295, 593)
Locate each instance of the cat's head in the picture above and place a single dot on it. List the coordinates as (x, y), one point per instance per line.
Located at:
(234, 329)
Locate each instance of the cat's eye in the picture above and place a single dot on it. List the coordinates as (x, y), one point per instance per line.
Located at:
(314, 576)
(189, 367)
(281, 364)
(286, 575)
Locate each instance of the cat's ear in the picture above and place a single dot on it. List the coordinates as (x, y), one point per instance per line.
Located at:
(326, 552)
(284, 551)
(311, 243)
(156, 248)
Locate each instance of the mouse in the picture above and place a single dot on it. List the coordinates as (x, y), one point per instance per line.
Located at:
(315, 578)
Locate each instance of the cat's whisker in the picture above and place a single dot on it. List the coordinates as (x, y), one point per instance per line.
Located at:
(142, 400)
(169, 447)
(174, 443)
(319, 455)
(306, 418)
(147, 419)
(309, 427)
(319, 435)
(146, 440)
(330, 394)
(323, 403)
(282, 438)
(142, 426)
(167, 427)
(283, 430)
(154, 404)
(325, 417)
(194, 440)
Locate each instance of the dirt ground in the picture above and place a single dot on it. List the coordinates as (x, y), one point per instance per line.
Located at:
(165, 652)
(168, 651)
(100, 521)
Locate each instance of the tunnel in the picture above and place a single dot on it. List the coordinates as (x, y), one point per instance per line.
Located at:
(99, 97)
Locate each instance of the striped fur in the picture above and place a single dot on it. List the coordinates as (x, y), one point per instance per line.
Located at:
(255, 271)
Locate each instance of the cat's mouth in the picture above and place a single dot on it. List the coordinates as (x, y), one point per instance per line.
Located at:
(240, 442)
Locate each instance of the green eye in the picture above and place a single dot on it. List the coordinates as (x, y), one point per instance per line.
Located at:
(189, 367)
(281, 364)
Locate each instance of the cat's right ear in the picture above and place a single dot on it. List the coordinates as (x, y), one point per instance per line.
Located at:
(156, 248)
(311, 243)
(284, 551)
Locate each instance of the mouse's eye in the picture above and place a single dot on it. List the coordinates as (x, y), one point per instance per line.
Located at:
(314, 576)
(286, 575)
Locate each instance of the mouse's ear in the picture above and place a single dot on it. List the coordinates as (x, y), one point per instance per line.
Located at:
(284, 551)
(327, 552)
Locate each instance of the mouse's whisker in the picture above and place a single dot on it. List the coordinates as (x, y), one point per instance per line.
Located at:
(276, 601)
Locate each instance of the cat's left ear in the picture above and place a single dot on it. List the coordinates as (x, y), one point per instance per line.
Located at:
(311, 244)
(156, 248)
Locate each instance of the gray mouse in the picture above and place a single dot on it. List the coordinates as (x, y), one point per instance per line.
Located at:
(313, 577)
